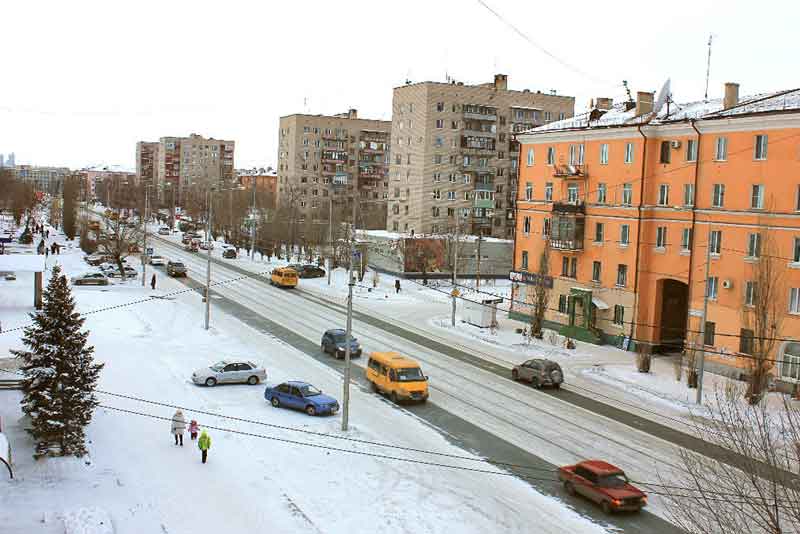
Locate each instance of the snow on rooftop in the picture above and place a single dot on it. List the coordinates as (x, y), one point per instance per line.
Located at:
(780, 101)
(22, 262)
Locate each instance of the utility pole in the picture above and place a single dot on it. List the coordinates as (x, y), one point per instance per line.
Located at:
(144, 244)
(703, 326)
(455, 272)
(478, 266)
(209, 196)
(253, 223)
(330, 236)
(349, 331)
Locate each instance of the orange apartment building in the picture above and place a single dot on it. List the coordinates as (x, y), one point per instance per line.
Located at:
(629, 198)
(264, 181)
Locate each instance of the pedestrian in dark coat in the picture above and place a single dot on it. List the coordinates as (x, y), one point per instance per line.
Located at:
(153, 282)
(397, 286)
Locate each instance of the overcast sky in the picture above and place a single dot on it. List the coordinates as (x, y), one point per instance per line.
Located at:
(82, 80)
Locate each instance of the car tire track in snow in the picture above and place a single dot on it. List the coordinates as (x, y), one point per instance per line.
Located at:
(453, 427)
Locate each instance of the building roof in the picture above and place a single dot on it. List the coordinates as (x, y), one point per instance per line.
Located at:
(624, 114)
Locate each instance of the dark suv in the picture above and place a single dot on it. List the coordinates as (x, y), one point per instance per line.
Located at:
(334, 342)
(539, 373)
(308, 270)
(176, 268)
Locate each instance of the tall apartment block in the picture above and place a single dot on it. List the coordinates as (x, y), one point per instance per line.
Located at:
(648, 211)
(324, 159)
(454, 157)
(182, 162)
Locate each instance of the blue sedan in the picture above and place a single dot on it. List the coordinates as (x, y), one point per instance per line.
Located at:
(301, 396)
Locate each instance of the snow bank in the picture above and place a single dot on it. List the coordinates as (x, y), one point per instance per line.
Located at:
(91, 520)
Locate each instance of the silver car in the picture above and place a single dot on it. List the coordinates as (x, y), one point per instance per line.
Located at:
(158, 260)
(539, 372)
(90, 279)
(230, 372)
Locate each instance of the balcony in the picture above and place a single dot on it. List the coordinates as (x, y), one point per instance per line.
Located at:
(479, 144)
(484, 186)
(571, 172)
(480, 116)
(575, 208)
(567, 245)
(334, 161)
(479, 133)
(566, 231)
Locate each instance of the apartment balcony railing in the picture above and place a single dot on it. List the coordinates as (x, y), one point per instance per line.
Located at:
(577, 208)
(481, 144)
(479, 116)
(566, 244)
(479, 133)
(571, 172)
(334, 161)
(484, 186)
(481, 203)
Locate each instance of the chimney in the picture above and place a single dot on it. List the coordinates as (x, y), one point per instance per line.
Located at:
(731, 95)
(644, 102)
(500, 82)
(604, 103)
(352, 113)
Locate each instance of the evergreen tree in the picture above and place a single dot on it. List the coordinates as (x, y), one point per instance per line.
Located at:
(60, 373)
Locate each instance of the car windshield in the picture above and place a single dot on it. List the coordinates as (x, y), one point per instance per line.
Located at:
(410, 374)
(219, 366)
(177, 265)
(342, 338)
(309, 391)
(617, 480)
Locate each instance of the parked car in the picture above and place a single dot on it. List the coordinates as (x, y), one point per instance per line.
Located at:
(229, 253)
(158, 260)
(334, 342)
(206, 245)
(186, 239)
(97, 259)
(311, 271)
(539, 373)
(91, 279)
(128, 272)
(9, 276)
(230, 372)
(176, 268)
(163, 231)
(301, 396)
(604, 484)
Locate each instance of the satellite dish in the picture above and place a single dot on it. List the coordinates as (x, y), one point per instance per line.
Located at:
(663, 96)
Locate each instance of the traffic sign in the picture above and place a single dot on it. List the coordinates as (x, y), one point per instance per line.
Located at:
(149, 251)
(456, 293)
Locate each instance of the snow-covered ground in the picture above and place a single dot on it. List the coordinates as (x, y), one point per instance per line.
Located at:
(138, 479)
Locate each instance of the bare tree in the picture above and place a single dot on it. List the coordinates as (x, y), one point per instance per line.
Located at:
(762, 316)
(758, 493)
(541, 292)
(118, 240)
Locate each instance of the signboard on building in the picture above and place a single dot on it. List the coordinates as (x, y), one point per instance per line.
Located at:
(531, 278)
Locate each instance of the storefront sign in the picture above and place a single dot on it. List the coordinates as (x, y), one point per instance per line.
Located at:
(531, 278)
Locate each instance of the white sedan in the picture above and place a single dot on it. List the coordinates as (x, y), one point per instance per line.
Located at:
(230, 372)
(158, 260)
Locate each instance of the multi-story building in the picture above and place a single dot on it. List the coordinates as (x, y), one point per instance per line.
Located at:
(324, 159)
(177, 163)
(454, 157)
(264, 181)
(636, 207)
(45, 179)
(92, 177)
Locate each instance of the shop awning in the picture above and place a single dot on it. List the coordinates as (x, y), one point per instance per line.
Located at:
(599, 303)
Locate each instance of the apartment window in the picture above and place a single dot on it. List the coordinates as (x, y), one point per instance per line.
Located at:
(440, 123)
(753, 245)
(546, 227)
(530, 157)
(712, 287)
(451, 195)
(715, 241)
(526, 225)
(718, 196)
(408, 159)
(562, 304)
(797, 199)
(794, 300)
(686, 239)
(604, 154)
(528, 191)
(663, 195)
(564, 266)
(796, 255)
(501, 155)
(665, 152)
(573, 268)
(548, 191)
(749, 293)
(440, 106)
(573, 155)
(746, 341)
(710, 330)
(598, 232)
(627, 194)
(437, 177)
(483, 162)
(562, 115)
(551, 155)
(601, 193)
(435, 211)
(688, 194)
(622, 275)
(437, 193)
(619, 314)
(628, 152)
(691, 150)
(721, 152)
(466, 197)
(757, 197)
(524, 265)
(596, 271)
(624, 235)
(661, 237)
(760, 147)
(580, 154)
(572, 193)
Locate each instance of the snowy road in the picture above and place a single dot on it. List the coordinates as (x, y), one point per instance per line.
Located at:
(542, 427)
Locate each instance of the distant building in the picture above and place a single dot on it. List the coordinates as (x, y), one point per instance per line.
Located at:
(334, 158)
(44, 179)
(454, 157)
(147, 161)
(93, 177)
(265, 181)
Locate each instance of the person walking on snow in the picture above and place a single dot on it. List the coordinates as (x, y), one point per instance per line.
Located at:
(178, 427)
(397, 286)
(193, 429)
(204, 443)
(153, 282)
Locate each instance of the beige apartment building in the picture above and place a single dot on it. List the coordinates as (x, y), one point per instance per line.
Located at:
(324, 161)
(453, 155)
(182, 162)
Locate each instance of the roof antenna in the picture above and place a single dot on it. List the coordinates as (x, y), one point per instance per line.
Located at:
(627, 90)
(708, 65)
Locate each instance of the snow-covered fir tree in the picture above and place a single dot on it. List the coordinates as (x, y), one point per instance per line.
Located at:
(60, 373)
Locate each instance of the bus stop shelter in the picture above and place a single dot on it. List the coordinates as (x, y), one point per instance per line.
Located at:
(32, 263)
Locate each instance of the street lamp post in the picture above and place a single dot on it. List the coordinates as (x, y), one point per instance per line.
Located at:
(210, 201)
(143, 254)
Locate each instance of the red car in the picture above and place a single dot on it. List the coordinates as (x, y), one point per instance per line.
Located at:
(604, 484)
